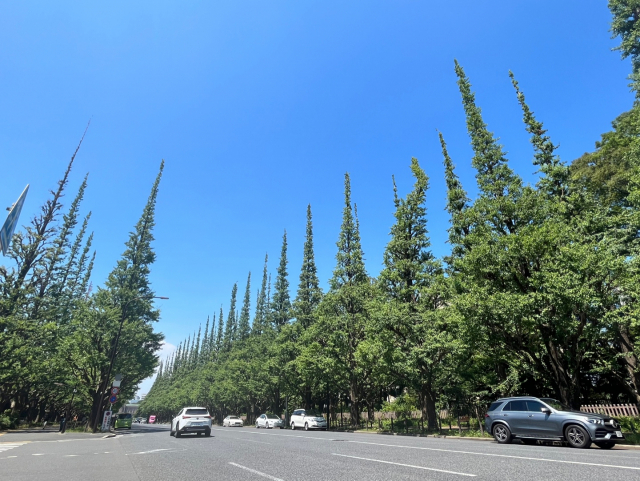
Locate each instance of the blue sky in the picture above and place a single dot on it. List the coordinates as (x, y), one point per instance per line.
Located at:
(259, 108)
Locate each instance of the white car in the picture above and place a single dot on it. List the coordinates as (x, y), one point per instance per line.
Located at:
(191, 420)
(232, 421)
(310, 419)
(269, 421)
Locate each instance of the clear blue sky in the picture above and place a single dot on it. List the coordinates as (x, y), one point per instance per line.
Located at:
(259, 108)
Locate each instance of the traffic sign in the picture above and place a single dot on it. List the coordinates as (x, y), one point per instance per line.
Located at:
(113, 399)
(106, 420)
(6, 233)
(115, 391)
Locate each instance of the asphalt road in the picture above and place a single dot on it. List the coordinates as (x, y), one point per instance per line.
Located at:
(148, 453)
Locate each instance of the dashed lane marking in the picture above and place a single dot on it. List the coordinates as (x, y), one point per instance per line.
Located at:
(494, 455)
(405, 465)
(259, 473)
(527, 458)
(152, 451)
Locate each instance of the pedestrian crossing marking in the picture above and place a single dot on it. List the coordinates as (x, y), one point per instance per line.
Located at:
(7, 446)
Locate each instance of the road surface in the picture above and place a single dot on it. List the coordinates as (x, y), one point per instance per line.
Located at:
(148, 453)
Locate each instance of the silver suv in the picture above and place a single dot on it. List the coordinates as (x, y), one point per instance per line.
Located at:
(531, 419)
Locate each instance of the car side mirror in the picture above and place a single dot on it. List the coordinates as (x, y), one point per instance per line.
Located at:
(546, 410)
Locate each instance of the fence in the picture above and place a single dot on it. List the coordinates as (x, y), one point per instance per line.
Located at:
(611, 409)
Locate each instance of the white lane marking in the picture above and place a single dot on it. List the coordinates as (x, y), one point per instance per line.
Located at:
(71, 455)
(498, 455)
(259, 473)
(153, 451)
(39, 454)
(405, 465)
(283, 435)
(465, 452)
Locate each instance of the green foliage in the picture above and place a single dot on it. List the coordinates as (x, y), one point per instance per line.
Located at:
(629, 424)
(56, 336)
(606, 172)
(625, 25)
(281, 303)
(402, 406)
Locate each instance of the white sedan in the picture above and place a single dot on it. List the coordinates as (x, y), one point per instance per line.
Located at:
(232, 421)
(269, 421)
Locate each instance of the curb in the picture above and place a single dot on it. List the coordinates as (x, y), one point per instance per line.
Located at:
(111, 435)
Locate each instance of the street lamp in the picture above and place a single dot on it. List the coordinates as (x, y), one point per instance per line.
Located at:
(103, 386)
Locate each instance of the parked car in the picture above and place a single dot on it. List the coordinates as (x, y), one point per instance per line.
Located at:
(310, 419)
(531, 419)
(191, 420)
(232, 421)
(152, 419)
(269, 421)
(123, 420)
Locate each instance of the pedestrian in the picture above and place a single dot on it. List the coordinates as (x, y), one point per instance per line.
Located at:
(63, 424)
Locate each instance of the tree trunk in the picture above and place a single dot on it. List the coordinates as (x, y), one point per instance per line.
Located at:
(630, 363)
(429, 408)
(354, 407)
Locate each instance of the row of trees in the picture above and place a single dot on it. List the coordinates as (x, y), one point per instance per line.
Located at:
(58, 334)
(539, 295)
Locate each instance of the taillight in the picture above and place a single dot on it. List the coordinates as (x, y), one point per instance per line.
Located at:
(185, 417)
(486, 415)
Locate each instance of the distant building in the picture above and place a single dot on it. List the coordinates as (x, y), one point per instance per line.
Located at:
(142, 396)
(129, 408)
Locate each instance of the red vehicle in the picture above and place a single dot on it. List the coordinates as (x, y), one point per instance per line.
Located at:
(152, 419)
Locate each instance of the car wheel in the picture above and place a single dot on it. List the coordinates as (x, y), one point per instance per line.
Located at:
(529, 442)
(502, 434)
(306, 426)
(171, 432)
(257, 425)
(577, 437)
(293, 426)
(177, 430)
(281, 427)
(207, 433)
(605, 444)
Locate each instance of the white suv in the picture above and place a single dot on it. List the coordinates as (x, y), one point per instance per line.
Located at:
(191, 420)
(310, 419)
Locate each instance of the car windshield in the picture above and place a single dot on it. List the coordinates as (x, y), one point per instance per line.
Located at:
(557, 405)
(124, 416)
(197, 412)
(234, 417)
(314, 414)
(272, 416)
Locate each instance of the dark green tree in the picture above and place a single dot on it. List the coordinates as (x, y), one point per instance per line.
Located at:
(309, 293)
(244, 329)
(625, 24)
(281, 303)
